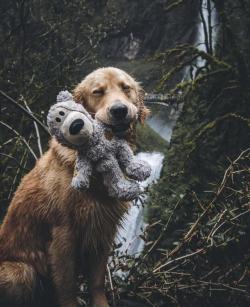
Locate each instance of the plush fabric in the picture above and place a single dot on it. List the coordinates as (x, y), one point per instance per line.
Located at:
(73, 127)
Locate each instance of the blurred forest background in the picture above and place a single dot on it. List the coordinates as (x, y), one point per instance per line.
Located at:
(196, 243)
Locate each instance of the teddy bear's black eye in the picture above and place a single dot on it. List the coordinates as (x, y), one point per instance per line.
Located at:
(61, 113)
(58, 119)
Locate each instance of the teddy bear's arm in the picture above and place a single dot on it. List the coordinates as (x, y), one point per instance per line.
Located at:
(133, 167)
(115, 182)
(82, 173)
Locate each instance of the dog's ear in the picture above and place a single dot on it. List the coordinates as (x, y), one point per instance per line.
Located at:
(143, 111)
(79, 94)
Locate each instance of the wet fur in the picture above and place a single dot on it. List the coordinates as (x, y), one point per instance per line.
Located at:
(52, 233)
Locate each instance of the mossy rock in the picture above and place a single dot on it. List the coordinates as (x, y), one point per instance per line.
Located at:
(148, 140)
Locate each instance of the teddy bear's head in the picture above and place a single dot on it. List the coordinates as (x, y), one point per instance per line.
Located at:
(69, 122)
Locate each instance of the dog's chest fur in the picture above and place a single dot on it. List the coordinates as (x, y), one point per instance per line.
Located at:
(95, 216)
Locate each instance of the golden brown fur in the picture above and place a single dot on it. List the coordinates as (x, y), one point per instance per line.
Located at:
(116, 85)
(52, 233)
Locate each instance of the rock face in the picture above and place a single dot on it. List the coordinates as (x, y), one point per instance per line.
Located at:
(135, 30)
(214, 123)
(213, 128)
(147, 27)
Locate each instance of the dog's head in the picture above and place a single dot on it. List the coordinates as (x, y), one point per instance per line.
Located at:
(113, 96)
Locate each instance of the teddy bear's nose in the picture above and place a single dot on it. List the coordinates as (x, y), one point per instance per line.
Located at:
(76, 126)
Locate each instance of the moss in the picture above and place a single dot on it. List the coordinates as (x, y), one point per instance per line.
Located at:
(149, 140)
(141, 69)
(210, 133)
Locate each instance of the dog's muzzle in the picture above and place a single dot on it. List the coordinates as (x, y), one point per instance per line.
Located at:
(118, 111)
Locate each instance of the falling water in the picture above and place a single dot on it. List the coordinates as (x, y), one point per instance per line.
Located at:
(203, 27)
(134, 224)
(200, 41)
(162, 122)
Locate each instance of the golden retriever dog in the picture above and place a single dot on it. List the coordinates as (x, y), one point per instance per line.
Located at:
(51, 233)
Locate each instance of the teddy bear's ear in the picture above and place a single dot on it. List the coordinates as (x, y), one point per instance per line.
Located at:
(64, 96)
(143, 111)
(79, 94)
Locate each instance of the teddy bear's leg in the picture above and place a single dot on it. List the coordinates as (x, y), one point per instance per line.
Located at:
(117, 185)
(133, 167)
(82, 173)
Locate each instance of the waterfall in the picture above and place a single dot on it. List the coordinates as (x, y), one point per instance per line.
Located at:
(163, 122)
(203, 28)
(129, 234)
(162, 125)
(208, 21)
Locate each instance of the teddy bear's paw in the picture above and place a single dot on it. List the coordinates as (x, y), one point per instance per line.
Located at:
(139, 170)
(126, 190)
(80, 184)
(133, 192)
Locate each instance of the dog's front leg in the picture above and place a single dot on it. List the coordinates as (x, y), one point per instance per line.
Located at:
(62, 260)
(97, 265)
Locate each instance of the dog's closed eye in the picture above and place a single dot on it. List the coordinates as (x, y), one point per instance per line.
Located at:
(125, 87)
(98, 91)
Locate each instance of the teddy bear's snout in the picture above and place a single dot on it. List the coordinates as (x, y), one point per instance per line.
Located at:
(76, 126)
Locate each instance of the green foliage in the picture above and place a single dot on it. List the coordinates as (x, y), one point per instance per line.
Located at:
(47, 46)
(214, 123)
(213, 129)
(149, 140)
(206, 260)
(197, 241)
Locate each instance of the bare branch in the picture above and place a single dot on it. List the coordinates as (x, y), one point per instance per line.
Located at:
(21, 138)
(15, 103)
(37, 131)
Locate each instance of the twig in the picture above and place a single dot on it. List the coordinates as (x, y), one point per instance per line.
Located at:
(37, 131)
(216, 224)
(14, 159)
(222, 285)
(111, 285)
(162, 232)
(157, 102)
(21, 137)
(25, 111)
(7, 142)
(177, 259)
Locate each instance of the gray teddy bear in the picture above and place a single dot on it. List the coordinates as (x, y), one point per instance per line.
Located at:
(73, 127)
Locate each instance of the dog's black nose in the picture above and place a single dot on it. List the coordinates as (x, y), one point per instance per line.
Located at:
(76, 126)
(119, 111)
